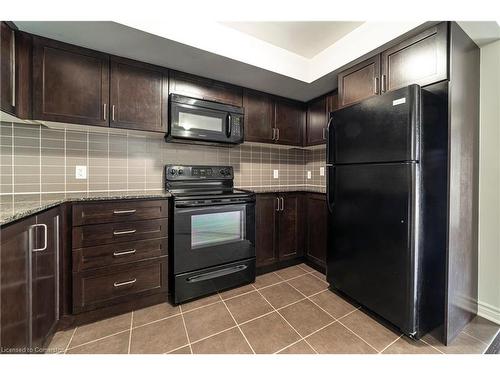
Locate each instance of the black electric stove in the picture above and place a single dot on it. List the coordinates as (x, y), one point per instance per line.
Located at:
(212, 234)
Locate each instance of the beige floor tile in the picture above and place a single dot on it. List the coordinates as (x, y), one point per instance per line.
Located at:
(248, 306)
(227, 342)
(308, 284)
(288, 273)
(462, 344)
(208, 320)
(372, 331)
(334, 304)
(306, 268)
(116, 344)
(152, 313)
(236, 291)
(305, 317)
(183, 350)
(159, 337)
(482, 329)
(60, 341)
(336, 339)
(269, 334)
(266, 280)
(405, 345)
(300, 347)
(200, 302)
(281, 294)
(102, 328)
(319, 275)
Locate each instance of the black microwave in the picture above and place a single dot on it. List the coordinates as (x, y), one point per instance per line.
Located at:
(202, 121)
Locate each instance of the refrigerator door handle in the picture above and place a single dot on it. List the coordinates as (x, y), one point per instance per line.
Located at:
(330, 123)
(330, 187)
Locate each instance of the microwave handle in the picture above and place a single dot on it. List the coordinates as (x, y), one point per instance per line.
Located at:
(228, 125)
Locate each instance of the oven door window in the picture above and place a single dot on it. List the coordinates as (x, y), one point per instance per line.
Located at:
(217, 228)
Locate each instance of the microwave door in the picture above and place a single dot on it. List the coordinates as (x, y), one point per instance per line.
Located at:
(199, 123)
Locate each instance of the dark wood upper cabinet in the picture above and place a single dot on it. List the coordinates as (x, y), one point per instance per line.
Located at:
(266, 234)
(359, 82)
(289, 121)
(419, 60)
(258, 121)
(138, 96)
(70, 84)
(290, 226)
(204, 88)
(318, 112)
(7, 69)
(316, 240)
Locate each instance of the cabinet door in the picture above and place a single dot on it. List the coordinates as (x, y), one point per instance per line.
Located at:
(421, 60)
(139, 96)
(7, 68)
(316, 241)
(359, 82)
(45, 277)
(317, 118)
(266, 236)
(258, 116)
(204, 88)
(291, 233)
(14, 285)
(289, 122)
(70, 84)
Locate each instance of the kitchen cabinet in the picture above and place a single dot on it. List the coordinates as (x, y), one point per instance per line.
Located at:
(258, 121)
(316, 237)
(318, 112)
(138, 96)
(289, 122)
(359, 82)
(204, 88)
(30, 281)
(70, 84)
(279, 235)
(421, 59)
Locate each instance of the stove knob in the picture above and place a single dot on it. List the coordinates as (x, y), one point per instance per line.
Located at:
(223, 172)
(173, 171)
(181, 172)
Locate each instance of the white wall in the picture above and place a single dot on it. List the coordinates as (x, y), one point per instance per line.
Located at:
(489, 184)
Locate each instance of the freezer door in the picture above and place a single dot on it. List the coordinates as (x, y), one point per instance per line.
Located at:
(371, 238)
(380, 129)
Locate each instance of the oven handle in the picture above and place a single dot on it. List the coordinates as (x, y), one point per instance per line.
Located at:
(191, 205)
(215, 274)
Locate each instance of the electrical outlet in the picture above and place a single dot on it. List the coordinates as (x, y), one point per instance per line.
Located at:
(321, 171)
(81, 172)
(275, 173)
(309, 175)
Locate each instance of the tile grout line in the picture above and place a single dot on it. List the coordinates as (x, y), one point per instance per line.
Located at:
(130, 333)
(350, 330)
(380, 352)
(432, 346)
(237, 325)
(70, 339)
(474, 337)
(185, 330)
(95, 340)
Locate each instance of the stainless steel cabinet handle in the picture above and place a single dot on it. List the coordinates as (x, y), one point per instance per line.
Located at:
(126, 252)
(117, 284)
(121, 232)
(44, 226)
(113, 112)
(13, 78)
(277, 134)
(324, 133)
(274, 134)
(282, 203)
(278, 202)
(123, 212)
(375, 84)
(384, 83)
(104, 111)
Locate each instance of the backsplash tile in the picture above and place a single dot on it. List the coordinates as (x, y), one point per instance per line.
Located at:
(37, 162)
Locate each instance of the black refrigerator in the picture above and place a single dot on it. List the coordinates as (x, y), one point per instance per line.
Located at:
(386, 196)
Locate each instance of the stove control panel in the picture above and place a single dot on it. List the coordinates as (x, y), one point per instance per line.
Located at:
(198, 172)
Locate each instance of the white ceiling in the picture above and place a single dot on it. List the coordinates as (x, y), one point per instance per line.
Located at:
(306, 39)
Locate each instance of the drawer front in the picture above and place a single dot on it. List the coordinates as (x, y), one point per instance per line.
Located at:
(125, 252)
(120, 211)
(93, 289)
(102, 234)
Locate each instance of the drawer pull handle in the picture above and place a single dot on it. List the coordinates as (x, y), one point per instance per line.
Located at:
(126, 252)
(123, 212)
(121, 232)
(123, 283)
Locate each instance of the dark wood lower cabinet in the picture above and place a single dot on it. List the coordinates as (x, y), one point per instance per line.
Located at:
(279, 223)
(316, 237)
(29, 282)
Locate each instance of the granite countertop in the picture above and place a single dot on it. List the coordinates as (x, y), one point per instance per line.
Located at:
(23, 208)
(285, 189)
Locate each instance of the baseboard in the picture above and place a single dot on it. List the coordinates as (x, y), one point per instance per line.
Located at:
(488, 311)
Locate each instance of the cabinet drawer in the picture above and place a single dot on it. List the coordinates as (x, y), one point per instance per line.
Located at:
(101, 234)
(112, 254)
(92, 289)
(120, 211)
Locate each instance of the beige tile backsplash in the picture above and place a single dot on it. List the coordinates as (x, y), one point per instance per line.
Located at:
(37, 160)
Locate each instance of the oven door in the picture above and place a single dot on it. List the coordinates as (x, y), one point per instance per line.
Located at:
(212, 235)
